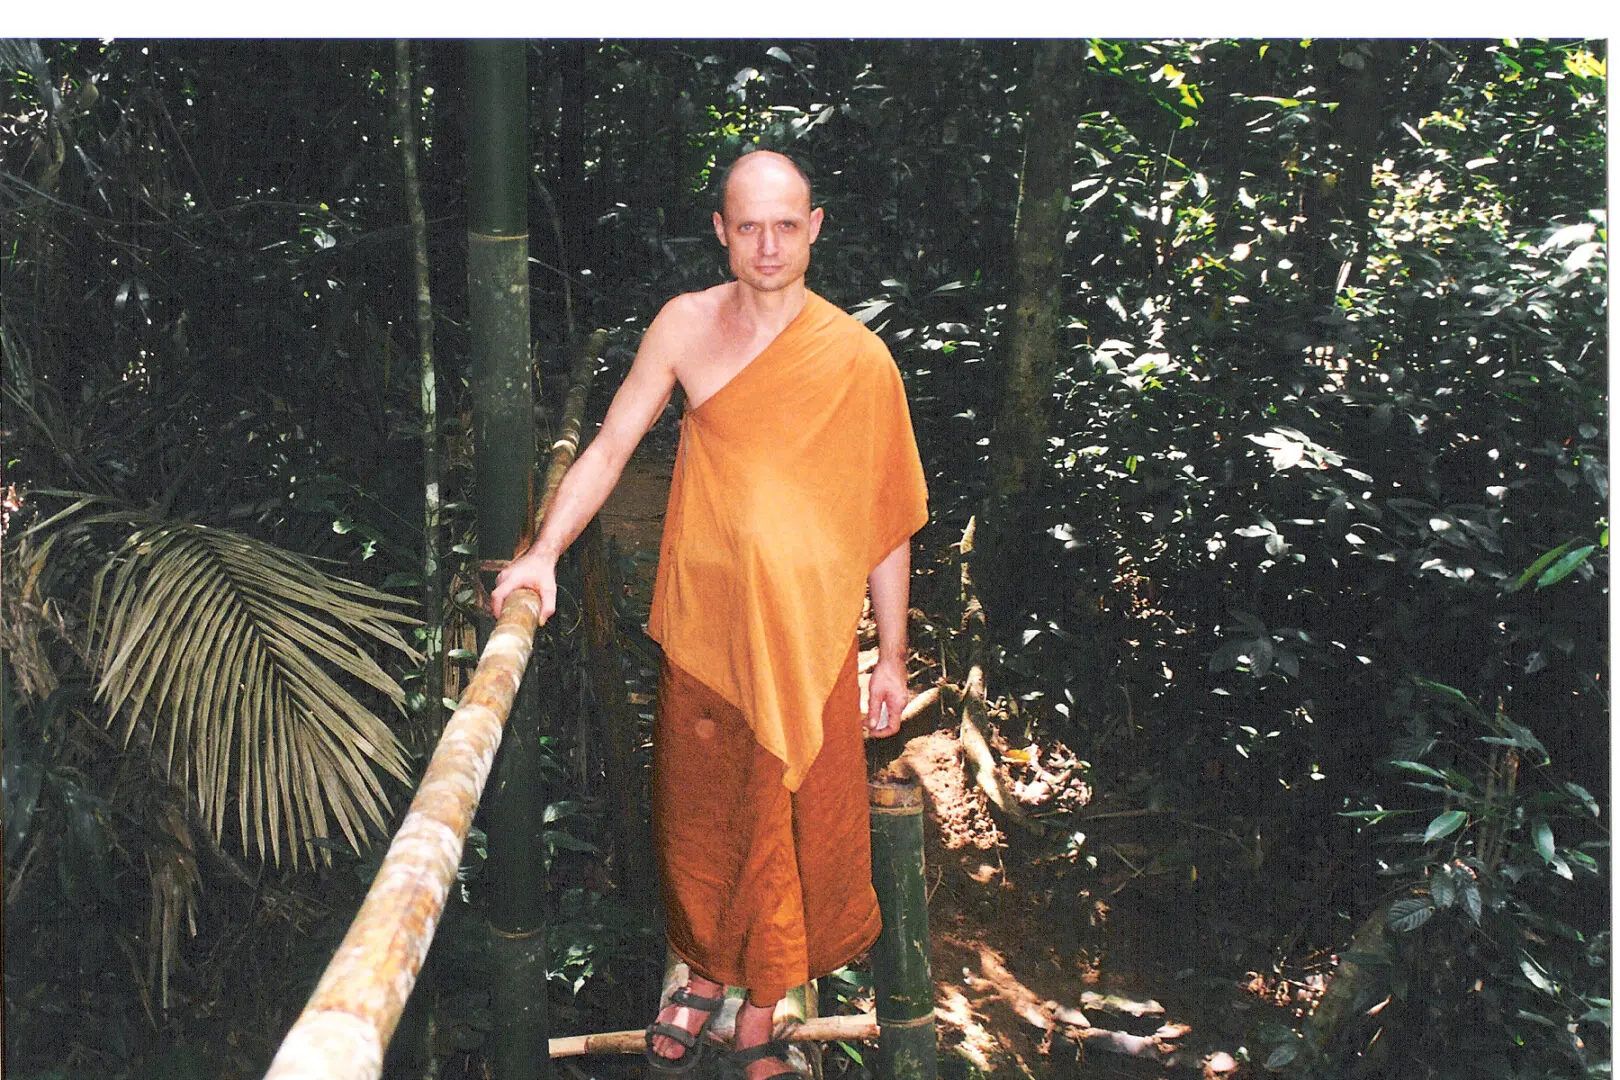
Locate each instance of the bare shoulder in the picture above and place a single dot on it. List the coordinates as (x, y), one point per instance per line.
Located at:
(693, 312)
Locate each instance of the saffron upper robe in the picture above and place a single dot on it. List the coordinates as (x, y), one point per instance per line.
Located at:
(791, 483)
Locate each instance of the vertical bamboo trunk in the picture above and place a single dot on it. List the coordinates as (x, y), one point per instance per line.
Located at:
(504, 437)
(432, 578)
(1018, 444)
(907, 1048)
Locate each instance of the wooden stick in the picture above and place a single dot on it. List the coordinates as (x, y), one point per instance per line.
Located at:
(862, 1026)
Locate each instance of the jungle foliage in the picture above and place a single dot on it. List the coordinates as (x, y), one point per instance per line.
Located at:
(1318, 549)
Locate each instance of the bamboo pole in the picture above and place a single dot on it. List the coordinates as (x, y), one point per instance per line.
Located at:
(566, 446)
(503, 392)
(344, 1029)
(907, 1047)
(432, 575)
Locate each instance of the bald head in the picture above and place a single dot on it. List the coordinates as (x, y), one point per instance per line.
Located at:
(762, 167)
(766, 223)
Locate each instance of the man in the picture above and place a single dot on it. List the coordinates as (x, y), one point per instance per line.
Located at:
(796, 489)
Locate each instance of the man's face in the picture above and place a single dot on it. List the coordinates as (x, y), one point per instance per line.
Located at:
(768, 225)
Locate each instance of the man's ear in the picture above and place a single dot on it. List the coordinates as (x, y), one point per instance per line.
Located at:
(815, 223)
(720, 228)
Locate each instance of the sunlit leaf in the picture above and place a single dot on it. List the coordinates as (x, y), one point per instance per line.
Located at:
(1542, 834)
(1444, 825)
(1565, 566)
(1419, 767)
(1537, 979)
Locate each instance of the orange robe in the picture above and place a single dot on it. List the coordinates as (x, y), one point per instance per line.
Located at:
(791, 483)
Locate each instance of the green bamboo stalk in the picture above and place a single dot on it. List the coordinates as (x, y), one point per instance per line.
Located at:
(907, 1047)
(432, 577)
(504, 442)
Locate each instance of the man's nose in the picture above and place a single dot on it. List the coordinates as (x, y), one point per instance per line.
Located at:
(768, 242)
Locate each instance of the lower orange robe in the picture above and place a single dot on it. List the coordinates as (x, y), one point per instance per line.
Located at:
(763, 887)
(791, 483)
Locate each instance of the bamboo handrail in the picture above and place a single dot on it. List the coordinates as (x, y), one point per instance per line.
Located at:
(345, 1027)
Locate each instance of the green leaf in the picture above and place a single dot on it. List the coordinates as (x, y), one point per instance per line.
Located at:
(1561, 569)
(21, 784)
(1585, 797)
(1409, 914)
(1451, 693)
(567, 842)
(1538, 566)
(1282, 1055)
(1537, 979)
(1443, 888)
(1419, 767)
(1444, 825)
(1472, 900)
(1372, 817)
(1543, 835)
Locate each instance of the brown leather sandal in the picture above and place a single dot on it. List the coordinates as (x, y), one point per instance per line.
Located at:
(682, 996)
(734, 1065)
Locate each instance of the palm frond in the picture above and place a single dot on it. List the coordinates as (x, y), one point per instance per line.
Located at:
(238, 658)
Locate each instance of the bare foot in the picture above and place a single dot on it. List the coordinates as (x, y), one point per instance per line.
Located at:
(687, 1019)
(755, 1025)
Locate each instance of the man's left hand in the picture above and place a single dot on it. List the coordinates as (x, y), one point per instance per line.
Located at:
(886, 688)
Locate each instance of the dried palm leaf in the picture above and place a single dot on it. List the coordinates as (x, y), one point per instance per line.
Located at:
(236, 660)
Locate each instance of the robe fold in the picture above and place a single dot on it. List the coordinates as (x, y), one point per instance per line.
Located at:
(791, 483)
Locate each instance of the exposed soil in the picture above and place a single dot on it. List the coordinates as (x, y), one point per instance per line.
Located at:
(1080, 953)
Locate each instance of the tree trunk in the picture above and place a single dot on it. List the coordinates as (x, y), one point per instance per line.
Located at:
(1335, 202)
(571, 160)
(1018, 443)
(432, 576)
(504, 444)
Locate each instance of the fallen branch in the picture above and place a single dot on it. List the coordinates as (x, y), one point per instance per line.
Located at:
(981, 762)
(1150, 1047)
(862, 1026)
(920, 704)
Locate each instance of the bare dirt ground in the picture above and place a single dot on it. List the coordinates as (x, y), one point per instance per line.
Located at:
(1087, 963)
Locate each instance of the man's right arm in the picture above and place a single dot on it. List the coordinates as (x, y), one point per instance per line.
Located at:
(637, 404)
